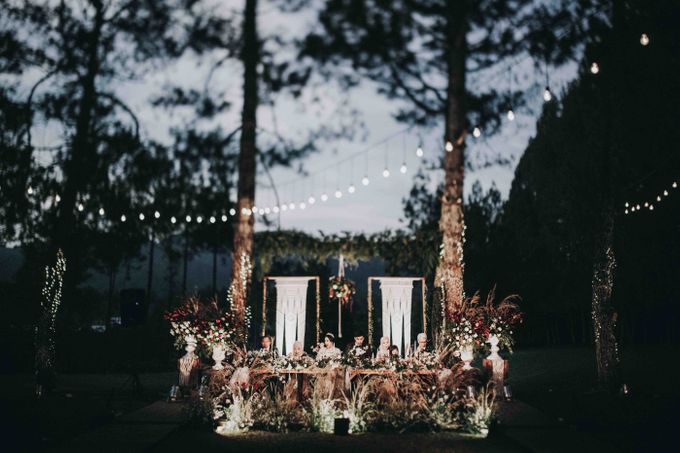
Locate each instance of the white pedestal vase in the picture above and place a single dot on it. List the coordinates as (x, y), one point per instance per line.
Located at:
(218, 354)
(467, 354)
(493, 341)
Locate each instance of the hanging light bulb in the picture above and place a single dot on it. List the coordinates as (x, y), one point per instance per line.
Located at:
(123, 218)
(57, 198)
(626, 211)
(101, 211)
(232, 212)
(291, 206)
(658, 198)
(303, 205)
(254, 208)
(188, 219)
(199, 219)
(403, 168)
(351, 188)
(157, 214)
(212, 219)
(244, 211)
(448, 146)
(338, 193)
(80, 207)
(594, 68)
(675, 185)
(267, 210)
(29, 190)
(547, 95)
(626, 204)
(141, 216)
(365, 181)
(419, 152)
(651, 207)
(511, 115)
(284, 207)
(224, 218)
(476, 132)
(386, 173)
(324, 197)
(275, 209)
(311, 200)
(260, 211)
(644, 39)
(173, 220)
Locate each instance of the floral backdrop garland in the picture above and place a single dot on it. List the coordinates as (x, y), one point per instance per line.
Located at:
(342, 290)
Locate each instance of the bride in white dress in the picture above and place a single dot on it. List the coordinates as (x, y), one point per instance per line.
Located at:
(328, 350)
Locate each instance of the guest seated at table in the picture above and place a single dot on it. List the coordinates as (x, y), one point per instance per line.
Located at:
(328, 349)
(394, 351)
(266, 344)
(298, 351)
(383, 350)
(359, 349)
(421, 348)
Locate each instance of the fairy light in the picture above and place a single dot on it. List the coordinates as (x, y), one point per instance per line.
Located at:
(649, 204)
(29, 190)
(594, 68)
(419, 152)
(351, 188)
(212, 219)
(173, 220)
(101, 211)
(511, 115)
(547, 95)
(123, 218)
(365, 181)
(232, 212)
(224, 218)
(157, 215)
(284, 207)
(276, 209)
(403, 169)
(448, 146)
(386, 173)
(57, 198)
(324, 197)
(303, 205)
(291, 206)
(80, 207)
(311, 200)
(476, 132)
(267, 210)
(644, 39)
(188, 219)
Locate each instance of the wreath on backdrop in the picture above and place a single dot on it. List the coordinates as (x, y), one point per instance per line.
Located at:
(342, 290)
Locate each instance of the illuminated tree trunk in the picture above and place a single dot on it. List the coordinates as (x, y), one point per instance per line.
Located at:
(449, 274)
(604, 315)
(244, 225)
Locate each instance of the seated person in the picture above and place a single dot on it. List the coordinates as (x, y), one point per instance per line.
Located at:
(422, 345)
(328, 350)
(359, 348)
(266, 344)
(298, 351)
(394, 352)
(383, 350)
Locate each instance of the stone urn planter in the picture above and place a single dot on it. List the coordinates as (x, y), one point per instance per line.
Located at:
(218, 354)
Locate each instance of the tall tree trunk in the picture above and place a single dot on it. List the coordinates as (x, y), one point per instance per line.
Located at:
(604, 315)
(214, 271)
(185, 260)
(149, 279)
(244, 226)
(77, 167)
(449, 274)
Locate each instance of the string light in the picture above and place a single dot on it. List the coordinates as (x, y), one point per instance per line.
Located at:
(188, 219)
(57, 198)
(419, 152)
(303, 205)
(276, 209)
(448, 146)
(476, 132)
(101, 211)
(224, 218)
(311, 200)
(649, 204)
(212, 219)
(80, 207)
(173, 220)
(338, 193)
(157, 215)
(547, 95)
(29, 190)
(141, 216)
(511, 115)
(365, 181)
(267, 210)
(232, 212)
(351, 188)
(291, 206)
(284, 207)
(403, 168)
(644, 39)
(386, 173)
(594, 68)
(123, 218)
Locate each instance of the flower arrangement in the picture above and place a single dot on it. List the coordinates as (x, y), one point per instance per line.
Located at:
(502, 319)
(342, 290)
(216, 332)
(182, 323)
